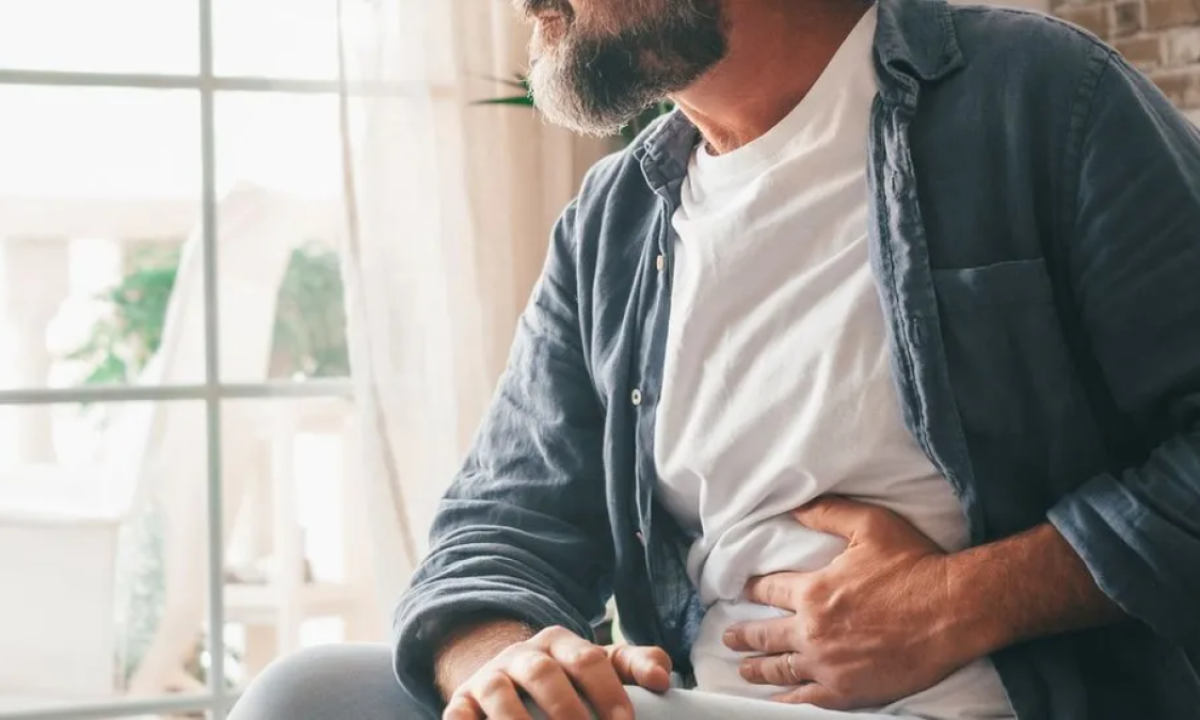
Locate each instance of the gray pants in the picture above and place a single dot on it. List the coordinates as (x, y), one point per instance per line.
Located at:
(355, 682)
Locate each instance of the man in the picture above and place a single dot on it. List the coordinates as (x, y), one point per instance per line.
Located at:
(869, 382)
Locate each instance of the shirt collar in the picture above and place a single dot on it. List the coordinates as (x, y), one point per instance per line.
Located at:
(915, 42)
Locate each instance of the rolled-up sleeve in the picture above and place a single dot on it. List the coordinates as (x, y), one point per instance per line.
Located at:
(523, 532)
(1134, 262)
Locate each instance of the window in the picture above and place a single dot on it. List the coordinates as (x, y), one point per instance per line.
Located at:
(176, 420)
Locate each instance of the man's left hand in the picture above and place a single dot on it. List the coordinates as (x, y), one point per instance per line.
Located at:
(876, 625)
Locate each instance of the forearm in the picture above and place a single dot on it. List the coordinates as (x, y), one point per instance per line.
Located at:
(470, 646)
(1028, 586)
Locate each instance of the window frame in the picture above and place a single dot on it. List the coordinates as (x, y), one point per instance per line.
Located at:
(217, 700)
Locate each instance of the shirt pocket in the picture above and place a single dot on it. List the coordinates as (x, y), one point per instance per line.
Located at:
(1022, 406)
(991, 288)
(1005, 351)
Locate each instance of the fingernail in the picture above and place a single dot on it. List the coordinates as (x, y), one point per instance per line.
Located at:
(621, 713)
(729, 638)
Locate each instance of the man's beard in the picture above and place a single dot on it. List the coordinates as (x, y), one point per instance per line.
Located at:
(595, 80)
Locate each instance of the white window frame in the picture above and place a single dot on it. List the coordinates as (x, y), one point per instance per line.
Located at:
(217, 700)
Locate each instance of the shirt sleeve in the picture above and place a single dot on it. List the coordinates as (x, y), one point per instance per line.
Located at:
(523, 531)
(1134, 265)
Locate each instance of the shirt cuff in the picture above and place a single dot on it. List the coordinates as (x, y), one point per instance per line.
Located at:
(1130, 552)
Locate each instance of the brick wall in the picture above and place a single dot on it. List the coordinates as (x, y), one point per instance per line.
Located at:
(1159, 37)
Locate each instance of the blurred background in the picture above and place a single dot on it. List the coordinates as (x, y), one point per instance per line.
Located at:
(260, 263)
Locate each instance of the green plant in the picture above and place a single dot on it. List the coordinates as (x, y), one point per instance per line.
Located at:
(129, 333)
(308, 338)
(310, 317)
(525, 99)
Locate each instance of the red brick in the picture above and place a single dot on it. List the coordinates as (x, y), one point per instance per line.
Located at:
(1144, 53)
(1127, 18)
(1162, 14)
(1182, 46)
(1089, 17)
(1182, 87)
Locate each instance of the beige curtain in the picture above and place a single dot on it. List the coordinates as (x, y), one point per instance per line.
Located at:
(449, 210)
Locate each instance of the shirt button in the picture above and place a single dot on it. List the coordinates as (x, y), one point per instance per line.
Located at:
(660, 263)
(636, 397)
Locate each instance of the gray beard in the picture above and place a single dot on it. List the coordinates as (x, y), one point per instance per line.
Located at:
(595, 85)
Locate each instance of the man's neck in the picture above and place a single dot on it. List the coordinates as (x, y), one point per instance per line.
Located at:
(777, 50)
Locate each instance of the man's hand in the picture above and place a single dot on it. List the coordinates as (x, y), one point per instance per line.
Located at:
(562, 674)
(876, 625)
(893, 615)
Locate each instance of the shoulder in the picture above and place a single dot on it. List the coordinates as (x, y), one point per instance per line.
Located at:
(987, 27)
(1002, 45)
(1025, 81)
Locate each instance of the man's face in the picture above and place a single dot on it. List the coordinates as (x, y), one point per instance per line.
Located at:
(598, 63)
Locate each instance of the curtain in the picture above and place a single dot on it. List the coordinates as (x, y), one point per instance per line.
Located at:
(449, 208)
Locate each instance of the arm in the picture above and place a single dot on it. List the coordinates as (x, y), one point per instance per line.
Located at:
(894, 614)
(1134, 262)
(1024, 587)
(523, 532)
(470, 646)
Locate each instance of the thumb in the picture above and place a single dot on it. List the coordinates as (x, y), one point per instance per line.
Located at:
(835, 516)
(646, 667)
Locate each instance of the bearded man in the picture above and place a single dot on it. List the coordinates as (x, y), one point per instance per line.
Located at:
(868, 382)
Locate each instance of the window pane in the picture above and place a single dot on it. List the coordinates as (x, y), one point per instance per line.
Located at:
(276, 38)
(282, 310)
(297, 555)
(99, 201)
(144, 36)
(103, 550)
(99, 229)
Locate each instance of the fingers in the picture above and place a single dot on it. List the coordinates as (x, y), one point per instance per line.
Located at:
(552, 669)
(775, 670)
(462, 707)
(836, 516)
(548, 686)
(646, 667)
(589, 668)
(496, 695)
(781, 590)
(562, 674)
(817, 695)
(764, 636)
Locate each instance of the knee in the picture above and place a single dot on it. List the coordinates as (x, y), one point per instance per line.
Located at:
(646, 706)
(328, 683)
(289, 684)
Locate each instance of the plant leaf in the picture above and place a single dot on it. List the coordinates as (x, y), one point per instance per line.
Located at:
(521, 100)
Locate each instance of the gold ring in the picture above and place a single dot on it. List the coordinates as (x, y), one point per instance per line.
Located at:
(791, 663)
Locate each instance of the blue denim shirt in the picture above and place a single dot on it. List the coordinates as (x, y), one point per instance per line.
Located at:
(1035, 236)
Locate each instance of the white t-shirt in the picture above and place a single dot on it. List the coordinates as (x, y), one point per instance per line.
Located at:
(777, 383)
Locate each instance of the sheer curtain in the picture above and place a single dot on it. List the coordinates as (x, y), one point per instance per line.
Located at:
(449, 209)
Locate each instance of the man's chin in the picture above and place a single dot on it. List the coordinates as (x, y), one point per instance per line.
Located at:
(569, 114)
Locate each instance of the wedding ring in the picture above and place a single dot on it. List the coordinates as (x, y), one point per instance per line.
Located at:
(791, 663)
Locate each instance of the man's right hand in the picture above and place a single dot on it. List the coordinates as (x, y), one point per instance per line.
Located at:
(564, 675)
